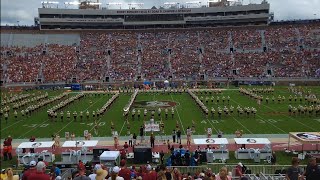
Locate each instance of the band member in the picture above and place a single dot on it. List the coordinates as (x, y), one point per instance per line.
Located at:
(93, 115)
(133, 113)
(88, 115)
(55, 116)
(112, 126)
(212, 112)
(138, 114)
(159, 113)
(193, 128)
(81, 116)
(15, 114)
(75, 116)
(172, 112)
(161, 126)
(68, 115)
(6, 116)
(166, 112)
(145, 114)
(61, 116)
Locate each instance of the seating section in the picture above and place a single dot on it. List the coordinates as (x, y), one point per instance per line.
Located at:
(274, 51)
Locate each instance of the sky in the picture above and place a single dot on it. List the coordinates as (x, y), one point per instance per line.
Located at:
(22, 12)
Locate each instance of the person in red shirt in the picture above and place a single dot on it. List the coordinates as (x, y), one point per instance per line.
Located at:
(32, 139)
(40, 172)
(30, 171)
(150, 175)
(81, 165)
(9, 139)
(126, 146)
(9, 144)
(239, 169)
(141, 172)
(124, 172)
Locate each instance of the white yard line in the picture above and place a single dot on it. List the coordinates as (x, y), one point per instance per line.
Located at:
(291, 118)
(272, 124)
(281, 130)
(242, 125)
(22, 119)
(209, 120)
(122, 128)
(11, 125)
(33, 128)
(83, 111)
(184, 131)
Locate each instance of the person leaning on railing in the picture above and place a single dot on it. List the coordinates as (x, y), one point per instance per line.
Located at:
(294, 172)
(312, 171)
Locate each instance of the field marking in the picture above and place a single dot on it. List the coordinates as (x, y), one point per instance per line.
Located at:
(83, 110)
(272, 124)
(122, 127)
(184, 131)
(242, 125)
(291, 118)
(25, 119)
(33, 128)
(11, 125)
(212, 125)
(263, 119)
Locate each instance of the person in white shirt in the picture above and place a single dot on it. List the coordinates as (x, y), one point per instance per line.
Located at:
(96, 167)
(209, 132)
(114, 174)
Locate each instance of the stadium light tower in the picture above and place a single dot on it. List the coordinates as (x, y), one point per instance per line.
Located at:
(49, 4)
(114, 4)
(140, 5)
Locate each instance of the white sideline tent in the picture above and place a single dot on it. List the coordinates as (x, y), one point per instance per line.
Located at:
(211, 141)
(221, 153)
(252, 141)
(80, 143)
(45, 144)
(251, 153)
(305, 138)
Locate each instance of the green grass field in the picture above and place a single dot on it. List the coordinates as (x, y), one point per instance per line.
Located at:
(271, 118)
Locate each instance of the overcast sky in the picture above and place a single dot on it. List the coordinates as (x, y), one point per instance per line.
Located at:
(24, 11)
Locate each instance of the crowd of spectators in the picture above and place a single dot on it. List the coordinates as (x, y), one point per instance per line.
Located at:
(154, 61)
(290, 51)
(247, 39)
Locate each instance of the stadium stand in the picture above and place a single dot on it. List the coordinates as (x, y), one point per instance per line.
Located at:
(290, 51)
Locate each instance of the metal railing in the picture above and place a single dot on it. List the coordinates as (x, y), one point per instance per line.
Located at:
(254, 169)
(67, 173)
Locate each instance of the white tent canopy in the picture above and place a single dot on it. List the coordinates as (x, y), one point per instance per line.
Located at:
(46, 144)
(80, 143)
(211, 141)
(252, 141)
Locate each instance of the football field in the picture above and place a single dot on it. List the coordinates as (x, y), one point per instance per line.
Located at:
(271, 118)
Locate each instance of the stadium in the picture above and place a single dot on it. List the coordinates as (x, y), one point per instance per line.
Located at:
(192, 90)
